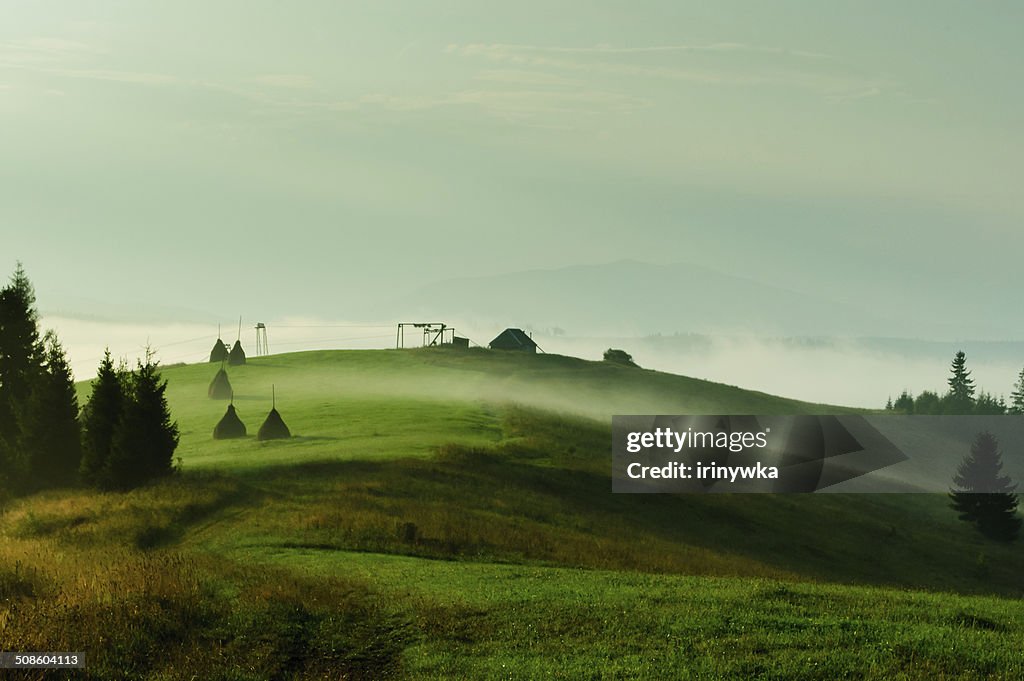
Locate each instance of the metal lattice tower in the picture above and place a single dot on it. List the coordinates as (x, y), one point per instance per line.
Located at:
(262, 346)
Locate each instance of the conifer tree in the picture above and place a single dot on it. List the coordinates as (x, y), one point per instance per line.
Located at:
(984, 495)
(904, 403)
(144, 442)
(988, 404)
(20, 366)
(960, 398)
(1017, 396)
(50, 437)
(100, 419)
(928, 402)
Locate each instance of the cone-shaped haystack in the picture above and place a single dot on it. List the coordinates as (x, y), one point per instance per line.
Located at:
(274, 427)
(230, 426)
(220, 386)
(219, 352)
(237, 354)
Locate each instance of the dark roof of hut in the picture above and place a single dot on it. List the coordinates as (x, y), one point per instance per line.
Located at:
(512, 339)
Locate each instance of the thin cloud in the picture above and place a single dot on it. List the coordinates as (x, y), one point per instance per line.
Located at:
(609, 49)
(802, 72)
(136, 77)
(517, 77)
(860, 94)
(46, 49)
(511, 102)
(294, 81)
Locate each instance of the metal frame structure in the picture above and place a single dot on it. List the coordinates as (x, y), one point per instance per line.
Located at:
(262, 346)
(434, 333)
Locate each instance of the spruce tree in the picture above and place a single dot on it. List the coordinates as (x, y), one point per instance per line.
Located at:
(928, 402)
(984, 496)
(144, 442)
(100, 419)
(904, 403)
(989, 405)
(960, 398)
(1017, 396)
(50, 437)
(20, 366)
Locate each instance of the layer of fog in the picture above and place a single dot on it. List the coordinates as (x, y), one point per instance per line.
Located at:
(847, 372)
(844, 372)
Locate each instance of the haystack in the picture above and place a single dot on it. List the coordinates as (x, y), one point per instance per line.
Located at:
(274, 427)
(220, 386)
(237, 354)
(219, 352)
(230, 426)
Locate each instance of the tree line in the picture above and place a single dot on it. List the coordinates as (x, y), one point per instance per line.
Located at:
(121, 438)
(961, 398)
(982, 494)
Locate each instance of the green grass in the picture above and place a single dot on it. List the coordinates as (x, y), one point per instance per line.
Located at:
(485, 621)
(368, 403)
(449, 515)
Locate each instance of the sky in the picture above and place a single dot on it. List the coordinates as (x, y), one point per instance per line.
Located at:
(298, 158)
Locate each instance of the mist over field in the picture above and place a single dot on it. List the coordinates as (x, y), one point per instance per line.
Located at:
(848, 372)
(780, 209)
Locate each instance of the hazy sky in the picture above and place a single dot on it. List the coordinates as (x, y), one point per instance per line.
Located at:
(219, 154)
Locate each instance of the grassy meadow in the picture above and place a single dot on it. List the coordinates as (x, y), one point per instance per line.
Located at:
(445, 514)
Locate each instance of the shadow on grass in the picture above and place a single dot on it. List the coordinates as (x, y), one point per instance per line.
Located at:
(165, 532)
(840, 538)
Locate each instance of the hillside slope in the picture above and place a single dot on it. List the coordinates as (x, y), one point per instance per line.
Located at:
(465, 446)
(425, 524)
(367, 403)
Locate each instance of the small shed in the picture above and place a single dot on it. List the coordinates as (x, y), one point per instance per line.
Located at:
(513, 339)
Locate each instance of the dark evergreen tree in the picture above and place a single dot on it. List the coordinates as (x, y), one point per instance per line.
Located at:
(983, 495)
(100, 419)
(960, 398)
(20, 366)
(144, 442)
(904, 404)
(51, 436)
(1017, 396)
(989, 405)
(928, 402)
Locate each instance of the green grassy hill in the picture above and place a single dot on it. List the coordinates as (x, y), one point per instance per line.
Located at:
(448, 514)
(385, 403)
